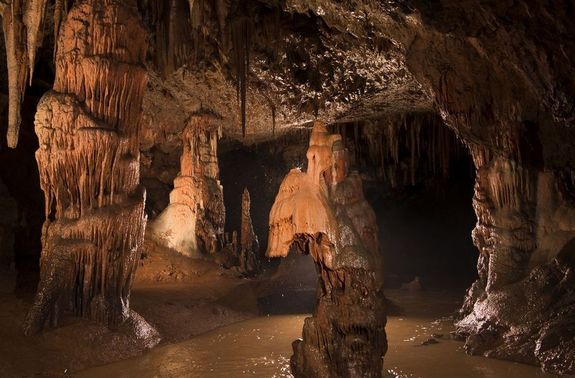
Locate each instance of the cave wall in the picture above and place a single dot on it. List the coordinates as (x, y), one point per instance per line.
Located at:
(499, 77)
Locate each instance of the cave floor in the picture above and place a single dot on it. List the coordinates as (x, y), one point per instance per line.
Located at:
(216, 324)
(261, 347)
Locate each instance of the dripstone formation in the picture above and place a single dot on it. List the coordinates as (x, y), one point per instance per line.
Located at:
(249, 244)
(89, 169)
(193, 222)
(323, 212)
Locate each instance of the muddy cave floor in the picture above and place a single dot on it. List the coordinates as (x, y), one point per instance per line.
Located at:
(216, 324)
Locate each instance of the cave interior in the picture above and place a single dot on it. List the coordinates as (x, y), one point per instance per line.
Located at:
(360, 176)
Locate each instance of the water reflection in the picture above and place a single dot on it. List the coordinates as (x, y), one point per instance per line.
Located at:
(261, 347)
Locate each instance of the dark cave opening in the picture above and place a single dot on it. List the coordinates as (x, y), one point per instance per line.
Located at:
(425, 232)
(419, 178)
(19, 175)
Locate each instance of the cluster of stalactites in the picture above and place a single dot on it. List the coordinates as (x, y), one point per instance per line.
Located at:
(182, 28)
(22, 26)
(505, 180)
(405, 147)
(188, 31)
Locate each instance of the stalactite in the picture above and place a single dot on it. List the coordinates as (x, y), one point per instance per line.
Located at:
(16, 56)
(241, 30)
(33, 19)
(59, 14)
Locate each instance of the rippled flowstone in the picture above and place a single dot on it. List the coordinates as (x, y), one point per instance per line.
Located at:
(323, 212)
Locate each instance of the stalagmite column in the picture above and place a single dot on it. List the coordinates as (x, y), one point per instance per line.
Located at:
(88, 131)
(249, 244)
(521, 307)
(323, 212)
(193, 222)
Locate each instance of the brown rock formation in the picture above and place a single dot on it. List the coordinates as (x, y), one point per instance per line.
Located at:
(521, 308)
(193, 222)
(22, 23)
(89, 169)
(249, 244)
(323, 212)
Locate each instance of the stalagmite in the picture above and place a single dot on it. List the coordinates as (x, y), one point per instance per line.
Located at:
(249, 244)
(323, 212)
(88, 131)
(193, 222)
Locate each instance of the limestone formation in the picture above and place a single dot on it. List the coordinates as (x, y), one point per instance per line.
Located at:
(525, 233)
(193, 222)
(249, 244)
(323, 212)
(22, 24)
(88, 130)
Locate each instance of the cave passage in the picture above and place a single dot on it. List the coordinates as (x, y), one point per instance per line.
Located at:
(290, 188)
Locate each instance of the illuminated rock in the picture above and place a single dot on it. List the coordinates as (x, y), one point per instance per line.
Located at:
(193, 222)
(323, 212)
(88, 131)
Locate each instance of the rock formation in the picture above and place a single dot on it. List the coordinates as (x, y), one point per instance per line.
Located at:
(499, 74)
(323, 212)
(22, 24)
(193, 222)
(515, 120)
(522, 308)
(88, 130)
(249, 244)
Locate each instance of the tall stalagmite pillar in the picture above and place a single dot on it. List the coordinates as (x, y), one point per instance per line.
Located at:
(193, 222)
(323, 212)
(249, 244)
(88, 131)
